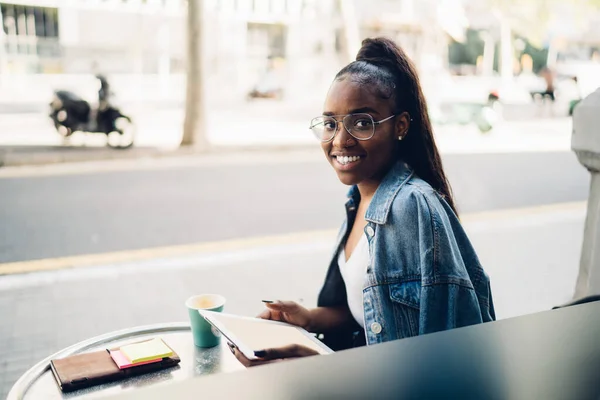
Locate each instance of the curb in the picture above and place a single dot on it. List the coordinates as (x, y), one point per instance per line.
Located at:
(63, 155)
(56, 156)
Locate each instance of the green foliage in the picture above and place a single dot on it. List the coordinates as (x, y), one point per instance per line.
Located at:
(538, 56)
(466, 53)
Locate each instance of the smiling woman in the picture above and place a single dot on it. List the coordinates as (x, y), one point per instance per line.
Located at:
(403, 265)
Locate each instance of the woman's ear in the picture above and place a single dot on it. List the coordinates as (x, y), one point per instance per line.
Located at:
(402, 125)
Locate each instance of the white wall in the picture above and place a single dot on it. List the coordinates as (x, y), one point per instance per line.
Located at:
(118, 42)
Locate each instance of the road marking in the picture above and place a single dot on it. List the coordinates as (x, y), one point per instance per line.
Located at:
(164, 252)
(271, 241)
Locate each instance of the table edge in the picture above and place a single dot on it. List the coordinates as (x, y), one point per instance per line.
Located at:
(20, 387)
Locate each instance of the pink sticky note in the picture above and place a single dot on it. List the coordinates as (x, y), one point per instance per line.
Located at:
(122, 361)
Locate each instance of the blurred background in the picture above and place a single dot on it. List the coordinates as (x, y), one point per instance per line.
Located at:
(470, 54)
(151, 150)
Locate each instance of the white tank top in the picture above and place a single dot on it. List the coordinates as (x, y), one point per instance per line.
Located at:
(353, 272)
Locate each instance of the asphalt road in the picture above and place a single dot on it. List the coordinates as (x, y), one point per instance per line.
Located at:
(63, 215)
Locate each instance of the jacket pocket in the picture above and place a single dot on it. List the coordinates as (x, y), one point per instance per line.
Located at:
(405, 299)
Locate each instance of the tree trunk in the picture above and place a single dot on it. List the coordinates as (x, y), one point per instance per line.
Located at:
(3, 62)
(194, 129)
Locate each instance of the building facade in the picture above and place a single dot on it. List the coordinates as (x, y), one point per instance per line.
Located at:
(148, 37)
(305, 39)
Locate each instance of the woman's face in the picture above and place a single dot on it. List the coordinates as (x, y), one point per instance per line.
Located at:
(376, 155)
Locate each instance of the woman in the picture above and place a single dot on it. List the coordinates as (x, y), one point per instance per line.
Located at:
(403, 264)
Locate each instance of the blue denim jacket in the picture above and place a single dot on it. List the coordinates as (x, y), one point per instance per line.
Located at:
(423, 275)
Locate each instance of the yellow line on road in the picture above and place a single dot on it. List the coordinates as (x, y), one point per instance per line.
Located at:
(234, 245)
(164, 252)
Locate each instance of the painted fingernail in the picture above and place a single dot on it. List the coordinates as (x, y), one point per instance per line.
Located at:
(268, 301)
(260, 353)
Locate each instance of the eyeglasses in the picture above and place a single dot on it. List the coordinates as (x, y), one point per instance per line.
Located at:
(360, 126)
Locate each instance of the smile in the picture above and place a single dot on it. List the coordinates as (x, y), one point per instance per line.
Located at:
(347, 161)
(344, 160)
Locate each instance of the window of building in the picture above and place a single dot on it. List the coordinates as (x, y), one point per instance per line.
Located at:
(261, 6)
(267, 40)
(41, 22)
(309, 8)
(244, 6)
(277, 6)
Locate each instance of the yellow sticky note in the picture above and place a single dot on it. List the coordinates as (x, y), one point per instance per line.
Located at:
(145, 351)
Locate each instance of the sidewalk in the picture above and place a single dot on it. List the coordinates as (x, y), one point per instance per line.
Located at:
(30, 139)
(531, 255)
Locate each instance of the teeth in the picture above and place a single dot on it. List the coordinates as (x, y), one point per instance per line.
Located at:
(346, 159)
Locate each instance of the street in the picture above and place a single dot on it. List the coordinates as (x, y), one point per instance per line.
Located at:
(106, 211)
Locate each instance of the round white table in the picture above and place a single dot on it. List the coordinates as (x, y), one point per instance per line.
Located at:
(39, 383)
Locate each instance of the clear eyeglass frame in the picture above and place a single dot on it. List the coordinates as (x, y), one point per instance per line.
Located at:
(360, 126)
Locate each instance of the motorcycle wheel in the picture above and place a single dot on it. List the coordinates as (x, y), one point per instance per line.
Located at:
(124, 135)
(59, 117)
(63, 130)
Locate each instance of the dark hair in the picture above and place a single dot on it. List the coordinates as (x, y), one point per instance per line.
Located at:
(384, 65)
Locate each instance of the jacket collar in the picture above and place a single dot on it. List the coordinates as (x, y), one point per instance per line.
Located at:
(385, 194)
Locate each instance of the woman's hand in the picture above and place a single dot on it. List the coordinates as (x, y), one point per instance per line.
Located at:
(288, 311)
(269, 356)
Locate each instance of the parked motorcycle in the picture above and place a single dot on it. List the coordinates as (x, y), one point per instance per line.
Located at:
(257, 93)
(70, 114)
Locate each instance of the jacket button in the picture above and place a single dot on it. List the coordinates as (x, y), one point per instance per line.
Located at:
(376, 328)
(370, 231)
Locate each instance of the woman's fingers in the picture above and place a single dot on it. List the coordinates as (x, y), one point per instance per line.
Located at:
(240, 356)
(244, 360)
(291, 351)
(266, 314)
(271, 314)
(290, 307)
(290, 312)
(268, 356)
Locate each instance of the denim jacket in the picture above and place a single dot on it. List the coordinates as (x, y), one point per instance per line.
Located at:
(423, 275)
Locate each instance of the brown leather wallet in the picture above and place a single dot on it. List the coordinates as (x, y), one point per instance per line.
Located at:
(90, 369)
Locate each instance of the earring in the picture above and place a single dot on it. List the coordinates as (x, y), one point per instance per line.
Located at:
(400, 137)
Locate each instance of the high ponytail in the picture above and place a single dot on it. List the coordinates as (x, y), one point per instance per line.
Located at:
(384, 65)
